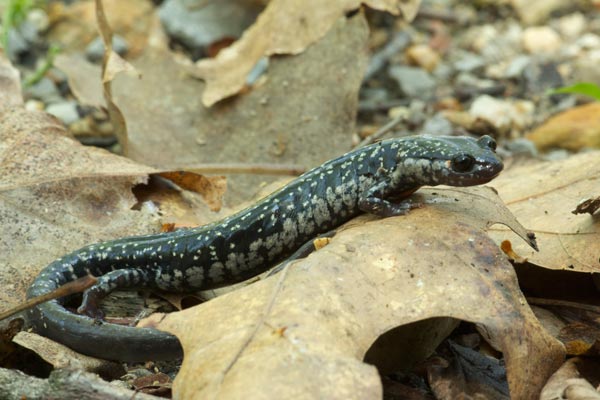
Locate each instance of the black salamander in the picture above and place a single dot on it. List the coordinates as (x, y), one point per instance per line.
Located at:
(251, 241)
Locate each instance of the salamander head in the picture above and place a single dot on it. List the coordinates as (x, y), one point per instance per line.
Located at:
(447, 160)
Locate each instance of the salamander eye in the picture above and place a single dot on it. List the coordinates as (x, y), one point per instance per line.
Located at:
(488, 142)
(462, 163)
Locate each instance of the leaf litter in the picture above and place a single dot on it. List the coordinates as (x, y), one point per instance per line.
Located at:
(566, 240)
(529, 349)
(57, 195)
(284, 27)
(169, 127)
(318, 318)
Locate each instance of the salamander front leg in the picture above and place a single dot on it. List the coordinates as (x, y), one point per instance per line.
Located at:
(118, 279)
(374, 200)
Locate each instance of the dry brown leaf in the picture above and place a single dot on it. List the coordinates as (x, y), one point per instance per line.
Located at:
(581, 338)
(88, 90)
(572, 381)
(84, 78)
(542, 195)
(548, 319)
(168, 126)
(468, 374)
(56, 195)
(303, 332)
(572, 129)
(589, 206)
(284, 27)
(60, 356)
(179, 208)
(211, 188)
(112, 65)
(10, 84)
(309, 104)
(74, 26)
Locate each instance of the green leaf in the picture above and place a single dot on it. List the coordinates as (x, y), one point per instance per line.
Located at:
(584, 88)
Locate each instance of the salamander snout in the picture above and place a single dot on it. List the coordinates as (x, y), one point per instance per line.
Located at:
(474, 162)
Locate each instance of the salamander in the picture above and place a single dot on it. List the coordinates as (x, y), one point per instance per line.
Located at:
(370, 179)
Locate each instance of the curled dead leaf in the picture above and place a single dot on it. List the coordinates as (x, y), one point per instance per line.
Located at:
(572, 381)
(375, 275)
(10, 84)
(542, 195)
(60, 356)
(572, 129)
(284, 27)
(589, 206)
(210, 188)
(112, 65)
(506, 247)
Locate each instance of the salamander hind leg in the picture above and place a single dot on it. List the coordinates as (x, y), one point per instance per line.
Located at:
(118, 279)
(374, 200)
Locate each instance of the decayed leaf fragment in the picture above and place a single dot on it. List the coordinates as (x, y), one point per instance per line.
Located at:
(572, 129)
(210, 188)
(303, 332)
(589, 206)
(60, 356)
(284, 27)
(169, 128)
(55, 194)
(542, 195)
(73, 24)
(468, 374)
(572, 381)
(10, 84)
(112, 65)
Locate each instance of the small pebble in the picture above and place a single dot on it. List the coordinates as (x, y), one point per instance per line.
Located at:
(39, 19)
(17, 45)
(423, 56)
(44, 90)
(34, 105)
(482, 36)
(95, 50)
(572, 25)
(65, 111)
(541, 40)
(588, 41)
(437, 125)
(199, 27)
(414, 82)
(517, 66)
(521, 147)
(469, 62)
(504, 115)
(537, 11)
(398, 112)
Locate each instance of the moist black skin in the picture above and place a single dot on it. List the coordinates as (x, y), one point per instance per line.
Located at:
(249, 242)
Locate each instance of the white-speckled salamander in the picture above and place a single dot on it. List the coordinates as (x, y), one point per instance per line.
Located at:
(251, 241)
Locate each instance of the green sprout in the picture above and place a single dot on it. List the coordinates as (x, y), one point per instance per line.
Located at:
(14, 14)
(41, 71)
(584, 88)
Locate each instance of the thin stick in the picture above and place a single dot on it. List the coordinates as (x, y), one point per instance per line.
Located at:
(382, 131)
(239, 168)
(381, 58)
(445, 16)
(563, 303)
(76, 286)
